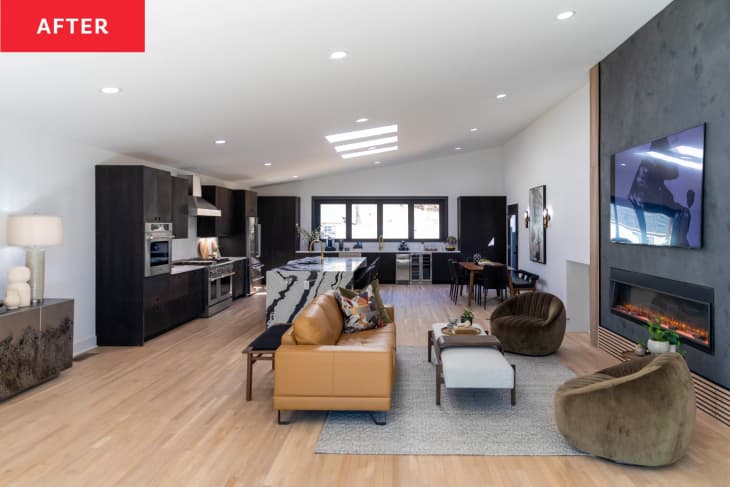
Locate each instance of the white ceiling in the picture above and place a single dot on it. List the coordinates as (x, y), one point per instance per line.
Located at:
(257, 73)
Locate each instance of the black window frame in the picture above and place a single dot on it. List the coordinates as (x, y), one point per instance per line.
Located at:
(442, 201)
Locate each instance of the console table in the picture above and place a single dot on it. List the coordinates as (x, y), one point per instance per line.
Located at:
(36, 344)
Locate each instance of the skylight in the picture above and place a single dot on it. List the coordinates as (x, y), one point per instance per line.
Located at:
(368, 143)
(364, 139)
(361, 134)
(350, 155)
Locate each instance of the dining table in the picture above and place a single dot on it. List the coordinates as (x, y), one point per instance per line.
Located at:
(474, 269)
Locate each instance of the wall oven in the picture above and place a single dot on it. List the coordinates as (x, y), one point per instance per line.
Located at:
(158, 248)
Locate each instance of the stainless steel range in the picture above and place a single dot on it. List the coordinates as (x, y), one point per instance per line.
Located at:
(220, 283)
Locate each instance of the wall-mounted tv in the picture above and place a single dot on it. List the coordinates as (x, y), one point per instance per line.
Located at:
(656, 191)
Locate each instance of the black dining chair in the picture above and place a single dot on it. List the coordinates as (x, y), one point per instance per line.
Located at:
(493, 277)
(458, 280)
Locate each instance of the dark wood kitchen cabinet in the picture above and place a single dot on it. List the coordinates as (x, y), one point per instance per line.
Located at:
(180, 207)
(224, 225)
(386, 269)
(129, 306)
(171, 300)
(278, 217)
(241, 279)
(157, 195)
(482, 219)
(440, 273)
(251, 203)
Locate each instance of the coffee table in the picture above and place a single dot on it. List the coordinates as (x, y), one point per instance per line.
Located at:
(470, 366)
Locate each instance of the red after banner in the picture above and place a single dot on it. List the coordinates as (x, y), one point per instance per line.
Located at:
(72, 26)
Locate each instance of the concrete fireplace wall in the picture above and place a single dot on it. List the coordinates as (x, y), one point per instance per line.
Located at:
(671, 75)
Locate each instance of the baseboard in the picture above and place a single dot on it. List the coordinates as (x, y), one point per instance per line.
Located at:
(84, 345)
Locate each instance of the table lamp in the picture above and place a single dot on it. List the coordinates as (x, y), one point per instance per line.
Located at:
(35, 233)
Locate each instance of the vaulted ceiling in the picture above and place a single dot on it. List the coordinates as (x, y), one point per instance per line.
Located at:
(258, 74)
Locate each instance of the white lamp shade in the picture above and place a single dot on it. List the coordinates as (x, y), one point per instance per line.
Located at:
(35, 230)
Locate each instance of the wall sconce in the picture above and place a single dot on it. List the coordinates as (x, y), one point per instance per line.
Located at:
(545, 218)
(527, 218)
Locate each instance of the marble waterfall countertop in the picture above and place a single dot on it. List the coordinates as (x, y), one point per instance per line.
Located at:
(290, 287)
(329, 264)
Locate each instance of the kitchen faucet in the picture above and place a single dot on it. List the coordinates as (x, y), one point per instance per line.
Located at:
(380, 242)
(321, 248)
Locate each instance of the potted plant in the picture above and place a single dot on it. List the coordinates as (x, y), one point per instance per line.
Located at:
(673, 339)
(658, 341)
(467, 317)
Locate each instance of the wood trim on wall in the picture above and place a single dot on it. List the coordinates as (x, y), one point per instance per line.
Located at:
(595, 284)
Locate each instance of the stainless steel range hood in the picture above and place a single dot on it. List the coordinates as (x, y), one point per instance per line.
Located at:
(197, 206)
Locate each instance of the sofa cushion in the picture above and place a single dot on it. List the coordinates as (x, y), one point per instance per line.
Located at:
(315, 325)
(374, 338)
(360, 312)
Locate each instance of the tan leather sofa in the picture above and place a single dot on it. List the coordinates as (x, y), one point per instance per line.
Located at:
(320, 368)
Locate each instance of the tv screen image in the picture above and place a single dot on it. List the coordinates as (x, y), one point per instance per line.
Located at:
(656, 191)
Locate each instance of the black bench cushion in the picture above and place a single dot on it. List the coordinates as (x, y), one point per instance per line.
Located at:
(270, 339)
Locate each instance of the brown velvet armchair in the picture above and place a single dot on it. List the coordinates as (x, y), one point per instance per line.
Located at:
(640, 412)
(530, 324)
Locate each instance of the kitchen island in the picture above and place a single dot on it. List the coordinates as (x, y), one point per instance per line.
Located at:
(291, 286)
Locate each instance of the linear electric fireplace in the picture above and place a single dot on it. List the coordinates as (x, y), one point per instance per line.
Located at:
(683, 307)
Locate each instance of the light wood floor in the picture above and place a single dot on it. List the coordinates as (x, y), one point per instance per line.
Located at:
(173, 413)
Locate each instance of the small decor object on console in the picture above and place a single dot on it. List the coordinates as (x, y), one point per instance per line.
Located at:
(476, 258)
(18, 278)
(467, 317)
(12, 299)
(35, 233)
(640, 350)
(658, 342)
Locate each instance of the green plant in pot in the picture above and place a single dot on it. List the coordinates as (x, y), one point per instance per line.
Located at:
(467, 316)
(658, 341)
(673, 339)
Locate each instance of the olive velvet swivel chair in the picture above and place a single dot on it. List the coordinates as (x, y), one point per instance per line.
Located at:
(530, 324)
(640, 412)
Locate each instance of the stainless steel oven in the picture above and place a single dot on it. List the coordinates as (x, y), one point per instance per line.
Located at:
(220, 287)
(158, 248)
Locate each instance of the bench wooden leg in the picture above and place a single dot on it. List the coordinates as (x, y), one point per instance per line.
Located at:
(438, 384)
(514, 387)
(249, 373)
(430, 344)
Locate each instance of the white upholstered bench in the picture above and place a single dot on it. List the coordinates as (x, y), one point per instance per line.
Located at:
(481, 366)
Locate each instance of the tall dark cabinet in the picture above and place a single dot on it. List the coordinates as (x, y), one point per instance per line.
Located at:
(222, 226)
(129, 307)
(481, 219)
(278, 217)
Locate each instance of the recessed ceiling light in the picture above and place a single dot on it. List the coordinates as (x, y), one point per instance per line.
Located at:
(350, 155)
(377, 163)
(220, 141)
(501, 95)
(295, 177)
(361, 134)
(338, 55)
(110, 90)
(565, 15)
(366, 144)
(457, 148)
(361, 120)
(474, 129)
(267, 163)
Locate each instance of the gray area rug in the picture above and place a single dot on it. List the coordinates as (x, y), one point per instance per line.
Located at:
(468, 422)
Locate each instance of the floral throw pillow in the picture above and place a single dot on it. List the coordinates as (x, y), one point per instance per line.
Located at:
(360, 310)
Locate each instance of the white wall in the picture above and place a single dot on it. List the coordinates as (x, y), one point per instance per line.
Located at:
(554, 150)
(474, 173)
(41, 174)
